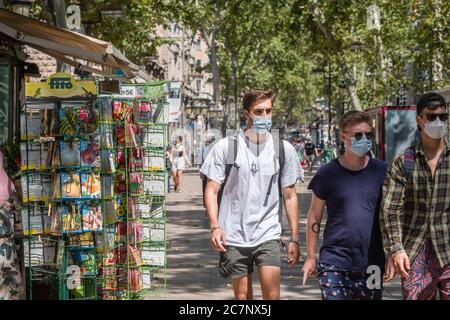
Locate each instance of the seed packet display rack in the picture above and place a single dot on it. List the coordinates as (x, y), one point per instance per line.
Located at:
(134, 252)
(62, 210)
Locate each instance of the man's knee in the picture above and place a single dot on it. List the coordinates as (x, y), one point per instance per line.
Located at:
(272, 295)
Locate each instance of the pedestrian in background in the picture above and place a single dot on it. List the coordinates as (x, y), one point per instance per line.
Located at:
(350, 187)
(169, 165)
(250, 175)
(310, 153)
(179, 161)
(416, 206)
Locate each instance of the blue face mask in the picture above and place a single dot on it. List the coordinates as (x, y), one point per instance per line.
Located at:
(362, 146)
(261, 124)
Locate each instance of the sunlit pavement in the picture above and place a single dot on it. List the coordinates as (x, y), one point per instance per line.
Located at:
(192, 264)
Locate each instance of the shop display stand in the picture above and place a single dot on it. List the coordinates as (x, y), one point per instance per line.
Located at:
(60, 255)
(134, 252)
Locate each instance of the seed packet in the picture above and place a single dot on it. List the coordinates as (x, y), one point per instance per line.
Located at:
(146, 278)
(153, 162)
(68, 117)
(30, 125)
(60, 252)
(49, 123)
(82, 240)
(154, 185)
(109, 258)
(122, 283)
(92, 217)
(34, 248)
(88, 119)
(132, 135)
(105, 108)
(71, 218)
(136, 180)
(70, 153)
(120, 159)
(120, 184)
(136, 159)
(109, 282)
(107, 160)
(86, 261)
(134, 256)
(47, 224)
(67, 185)
(90, 185)
(120, 209)
(121, 231)
(135, 232)
(56, 223)
(122, 110)
(30, 155)
(107, 138)
(150, 138)
(90, 153)
(139, 208)
(119, 131)
(153, 256)
(145, 111)
(32, 224)
(134, 279)
(49, 254)
(153, 232)
(107, 186)
(109, 214)
(35, 187)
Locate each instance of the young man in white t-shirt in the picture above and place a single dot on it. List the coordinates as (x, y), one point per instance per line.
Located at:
(246, 228)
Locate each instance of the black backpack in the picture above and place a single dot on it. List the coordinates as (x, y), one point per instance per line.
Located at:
(230, 162)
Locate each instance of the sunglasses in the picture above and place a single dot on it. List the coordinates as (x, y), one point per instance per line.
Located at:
(359, 135)
(433, 116)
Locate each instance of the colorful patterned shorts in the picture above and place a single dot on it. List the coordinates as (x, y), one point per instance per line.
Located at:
(339, 284)
(426, 277)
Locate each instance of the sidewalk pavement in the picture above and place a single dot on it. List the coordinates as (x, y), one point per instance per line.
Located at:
(192, 271)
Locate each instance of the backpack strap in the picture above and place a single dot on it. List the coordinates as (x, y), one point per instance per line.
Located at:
(278, 146)
(409, 161)
(230, 160)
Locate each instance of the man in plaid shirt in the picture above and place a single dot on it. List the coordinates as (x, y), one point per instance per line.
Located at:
(415, 216)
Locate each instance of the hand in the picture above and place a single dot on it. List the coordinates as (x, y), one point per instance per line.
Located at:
(390, 272)
(401, 263)
(293, 253)
(218, 240)
(309, 269)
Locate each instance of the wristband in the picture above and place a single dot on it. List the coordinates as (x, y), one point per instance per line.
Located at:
(294, 241)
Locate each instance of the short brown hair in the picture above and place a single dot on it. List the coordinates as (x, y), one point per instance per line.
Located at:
(256, 96)
(353, 117)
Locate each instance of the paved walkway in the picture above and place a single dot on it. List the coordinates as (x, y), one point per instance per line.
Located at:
(192, 264)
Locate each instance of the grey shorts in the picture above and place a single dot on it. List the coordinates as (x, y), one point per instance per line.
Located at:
(238, 262)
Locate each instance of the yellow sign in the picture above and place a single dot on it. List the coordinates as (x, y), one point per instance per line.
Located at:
(60, 85)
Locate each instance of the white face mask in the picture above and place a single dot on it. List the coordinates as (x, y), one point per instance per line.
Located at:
(435, 129)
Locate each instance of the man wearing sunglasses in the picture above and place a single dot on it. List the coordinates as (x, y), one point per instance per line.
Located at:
(416, 206)
(350, 187)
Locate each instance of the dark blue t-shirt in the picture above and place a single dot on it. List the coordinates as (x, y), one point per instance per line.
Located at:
(352, 236)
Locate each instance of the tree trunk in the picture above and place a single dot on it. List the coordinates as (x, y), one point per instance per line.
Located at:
(57, 16)
(234, 68)
(350, 86)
